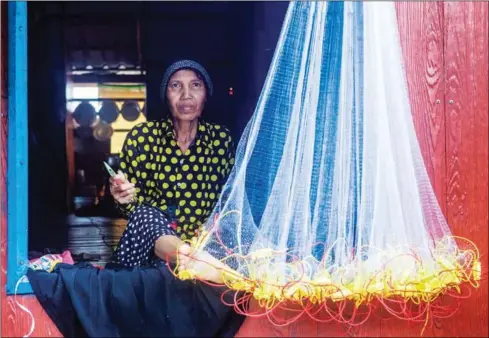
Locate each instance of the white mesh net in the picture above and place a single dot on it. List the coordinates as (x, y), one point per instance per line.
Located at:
(329, 198)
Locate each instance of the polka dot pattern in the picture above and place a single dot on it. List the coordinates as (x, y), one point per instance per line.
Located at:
(165, 177)
(136, 246)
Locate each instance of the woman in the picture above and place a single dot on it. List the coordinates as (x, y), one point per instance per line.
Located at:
(172, 171)
(170, 178)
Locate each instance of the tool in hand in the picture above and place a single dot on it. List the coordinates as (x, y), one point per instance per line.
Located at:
(112, 173)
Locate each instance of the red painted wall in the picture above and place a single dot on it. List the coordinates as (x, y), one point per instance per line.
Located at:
(453, 137)
(454, 133)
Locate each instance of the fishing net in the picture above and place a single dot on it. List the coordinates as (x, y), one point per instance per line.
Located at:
(329, 199)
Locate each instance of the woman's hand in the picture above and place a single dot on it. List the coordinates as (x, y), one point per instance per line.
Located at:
(121, 189)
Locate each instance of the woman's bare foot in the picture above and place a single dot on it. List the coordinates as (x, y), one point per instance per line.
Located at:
(201, 264)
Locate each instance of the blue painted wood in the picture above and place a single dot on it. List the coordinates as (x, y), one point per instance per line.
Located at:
(17, 169)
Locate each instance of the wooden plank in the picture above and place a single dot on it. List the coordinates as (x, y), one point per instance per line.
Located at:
(3, 161)
(421, 32)
(18, 323)
(466, 60)
(14, 322)
(17, 161)
(305, 327)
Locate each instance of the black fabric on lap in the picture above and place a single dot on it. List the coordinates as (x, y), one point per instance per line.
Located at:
(119, 302)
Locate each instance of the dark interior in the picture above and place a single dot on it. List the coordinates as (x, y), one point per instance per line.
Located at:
(90, 42)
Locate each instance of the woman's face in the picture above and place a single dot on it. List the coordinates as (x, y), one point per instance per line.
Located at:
(186, 95)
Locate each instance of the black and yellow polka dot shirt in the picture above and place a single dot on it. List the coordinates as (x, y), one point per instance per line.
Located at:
(183, 185)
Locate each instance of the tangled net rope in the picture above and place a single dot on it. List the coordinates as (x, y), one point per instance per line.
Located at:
(329, 210)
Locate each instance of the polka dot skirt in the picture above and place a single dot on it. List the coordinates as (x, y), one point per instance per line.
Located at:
(145, 226)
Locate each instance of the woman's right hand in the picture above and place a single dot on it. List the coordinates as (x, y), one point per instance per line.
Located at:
(121, 189)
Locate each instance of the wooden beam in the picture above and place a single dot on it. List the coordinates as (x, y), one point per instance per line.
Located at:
(17, 160)
(92, 78)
